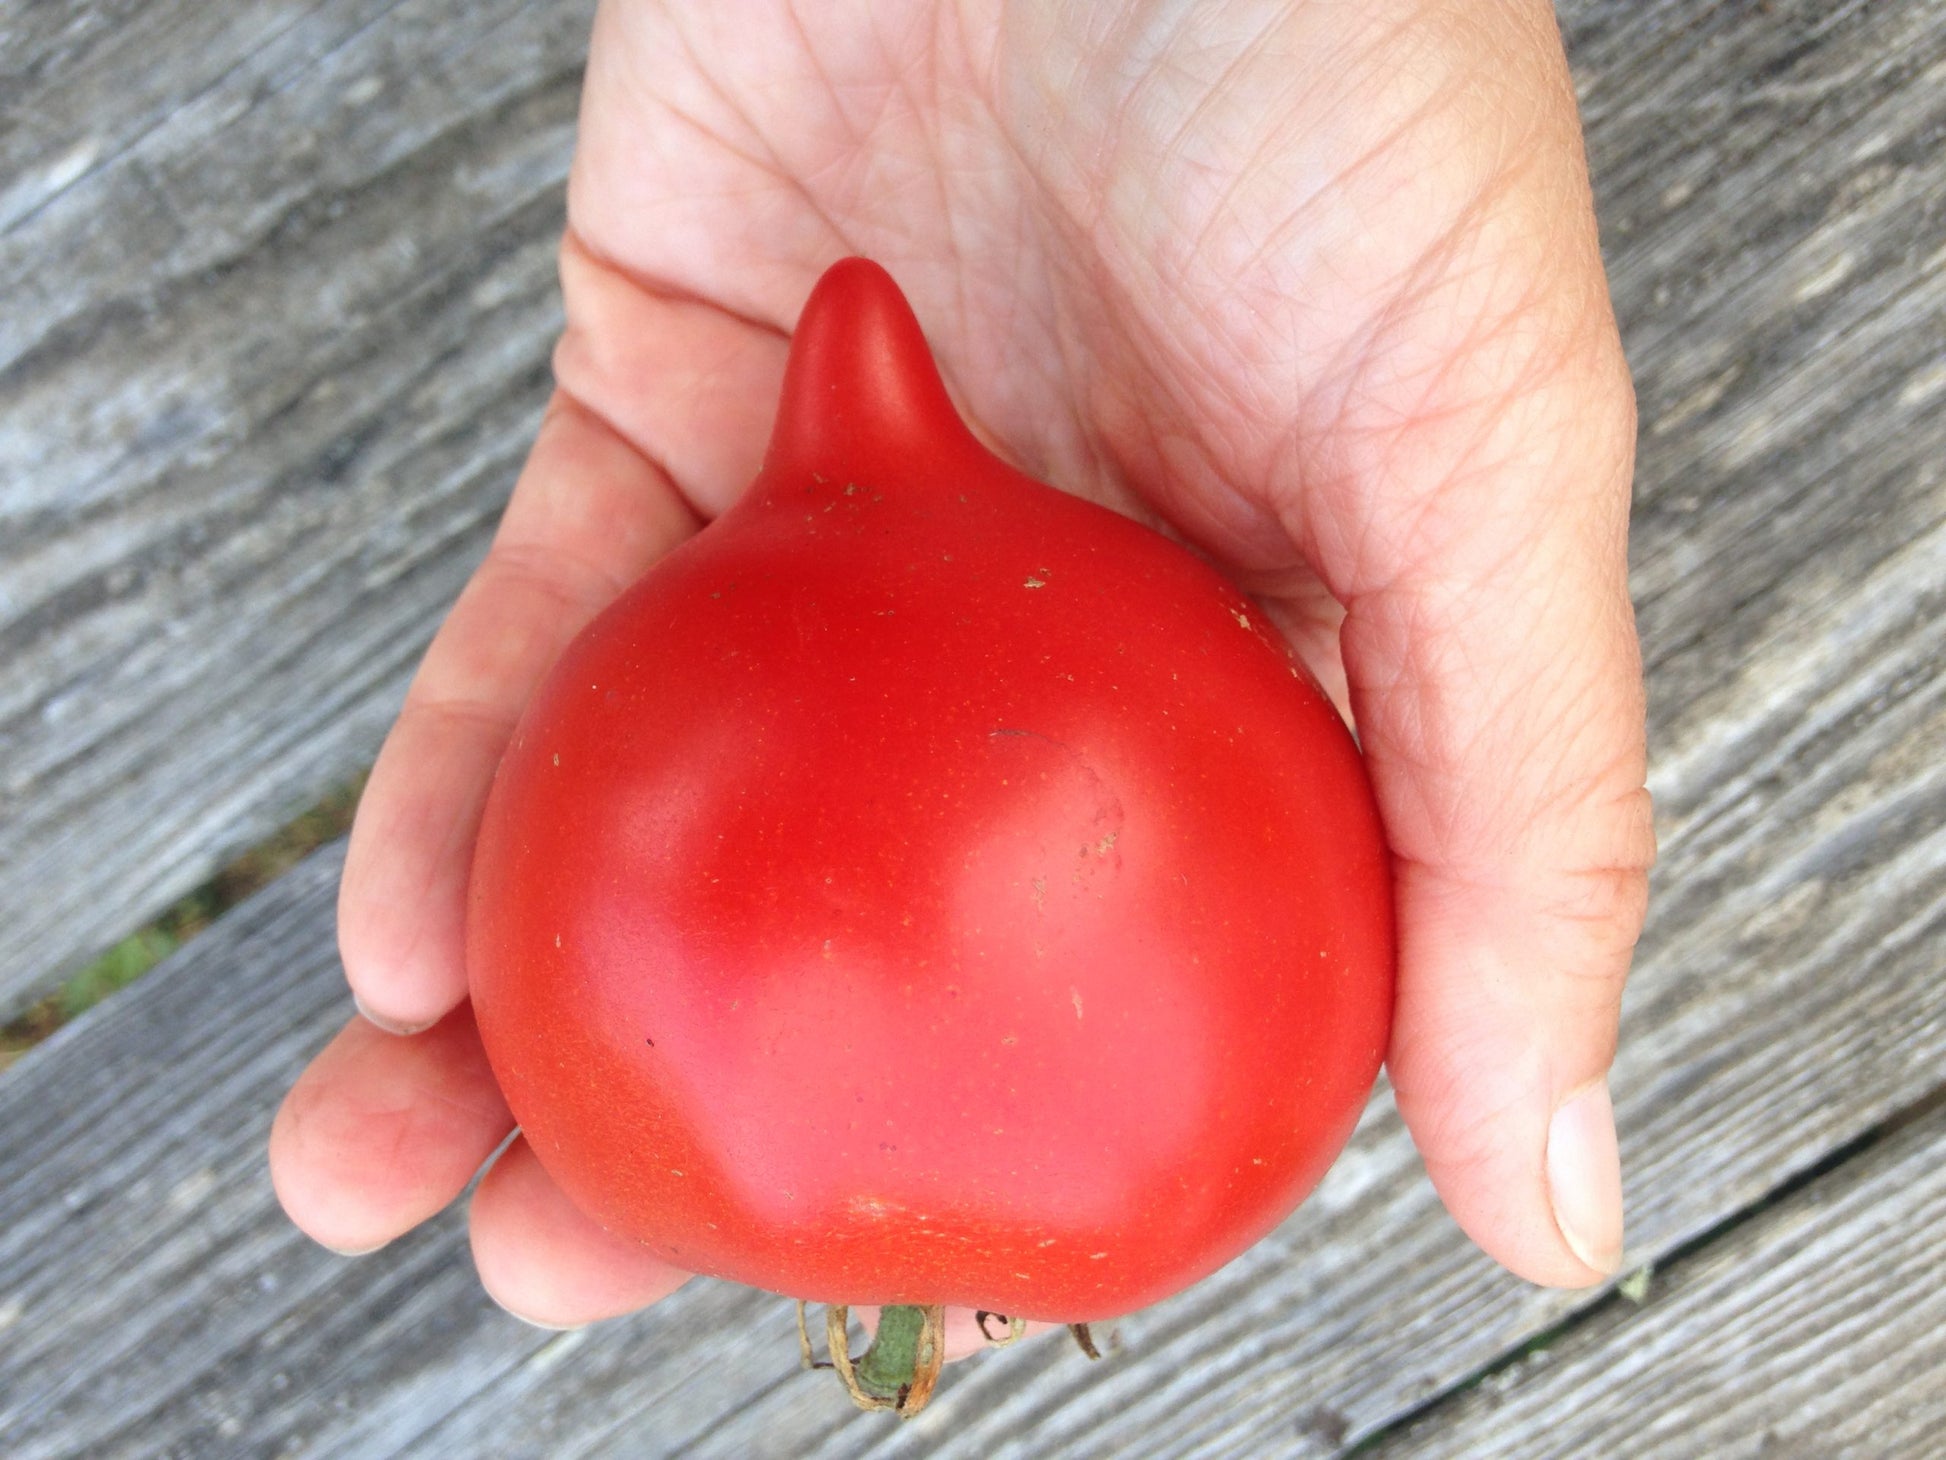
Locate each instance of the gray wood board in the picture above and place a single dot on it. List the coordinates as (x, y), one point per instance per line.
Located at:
(1816, 1330)
(280, 295)
(1789, 551)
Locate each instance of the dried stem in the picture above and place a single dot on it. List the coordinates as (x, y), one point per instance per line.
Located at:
(901, 1368)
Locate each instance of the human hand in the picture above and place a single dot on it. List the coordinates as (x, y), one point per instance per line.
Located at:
(1314, 285)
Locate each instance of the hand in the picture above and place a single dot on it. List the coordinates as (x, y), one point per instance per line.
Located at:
(1315, 285)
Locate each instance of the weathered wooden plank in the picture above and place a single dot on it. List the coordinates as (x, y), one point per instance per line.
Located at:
(147, 1289)
(266, 370)
(80, 83)
(1816, 1329)
(1798, 705)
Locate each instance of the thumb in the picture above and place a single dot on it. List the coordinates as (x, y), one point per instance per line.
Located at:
(1498, 693)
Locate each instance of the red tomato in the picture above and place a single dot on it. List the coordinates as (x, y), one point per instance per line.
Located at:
(927, 887)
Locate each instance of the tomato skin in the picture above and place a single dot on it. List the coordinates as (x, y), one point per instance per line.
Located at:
(927, 887)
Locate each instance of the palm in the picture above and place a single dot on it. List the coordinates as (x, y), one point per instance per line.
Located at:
(1165, 272)
(1314, 285)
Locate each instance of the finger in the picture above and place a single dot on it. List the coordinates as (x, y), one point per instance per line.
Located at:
(665, 402)
(588, 515)
(1468, 503)
(544, 1262)
(381, 1132)
(1499, 699)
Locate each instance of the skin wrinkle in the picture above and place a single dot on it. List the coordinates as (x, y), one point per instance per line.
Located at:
(1497, 879)
(863, 135)
(666, 290)
(1467, 1132)
(688, 496)
(1377, 67)
(1515, 142)
(1175, 145)
(882, 93)
(961, 260)
(1104, 478)
(462, 1105)
(1368, 346)
(999, 302)
(772, 164)
(1426, 822)
(532, 570)
(474, 713)
(1379, 153)
(1063, 450)
(1110, 145)
(1365, 604)
(1565, 501)
(401, 1136)
(1483, 337)
(860, 138)
(1492, 697)
(1497, 334)
(1293, 503)
(380, 1149)
(1397, 433)
(716, 139)
(1592, 885)
(1107, 476)
(1109, 471)
(1026, 238)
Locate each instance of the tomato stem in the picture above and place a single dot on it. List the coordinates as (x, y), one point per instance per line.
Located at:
(1016, 1328)
(888, 1366)
(901, 1368)
(1085, 1339)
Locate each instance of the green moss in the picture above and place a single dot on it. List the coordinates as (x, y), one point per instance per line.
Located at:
(141, 950)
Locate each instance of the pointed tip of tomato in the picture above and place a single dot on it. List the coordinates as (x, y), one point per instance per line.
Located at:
(861, 380)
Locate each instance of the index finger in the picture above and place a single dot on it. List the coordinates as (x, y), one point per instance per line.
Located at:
(590, 513)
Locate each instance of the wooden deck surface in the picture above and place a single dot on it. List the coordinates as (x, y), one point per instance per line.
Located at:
(278, 298)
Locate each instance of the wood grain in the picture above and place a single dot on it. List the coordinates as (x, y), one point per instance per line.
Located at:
(280, 295)
(1790, 562)
(81, 83)
(1818, 1329)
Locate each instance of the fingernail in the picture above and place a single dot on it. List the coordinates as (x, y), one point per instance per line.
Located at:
(353, 1251)
(1584, 1177)
(537, 1323)
(390, 1026)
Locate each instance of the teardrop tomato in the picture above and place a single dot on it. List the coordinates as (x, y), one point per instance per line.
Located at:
(928, 887)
